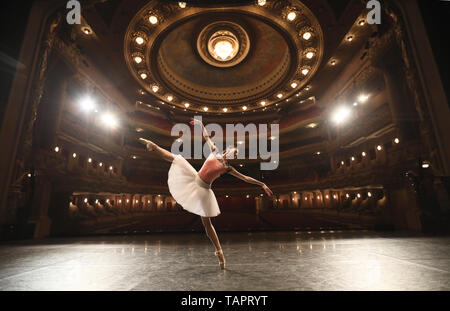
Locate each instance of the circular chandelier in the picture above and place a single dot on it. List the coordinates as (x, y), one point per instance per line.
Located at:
(223, 44)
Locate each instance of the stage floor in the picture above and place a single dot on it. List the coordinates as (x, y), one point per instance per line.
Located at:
(327, 260)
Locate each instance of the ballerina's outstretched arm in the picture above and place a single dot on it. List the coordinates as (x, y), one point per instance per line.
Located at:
(211, 144)
(250, 180)
(151, 146)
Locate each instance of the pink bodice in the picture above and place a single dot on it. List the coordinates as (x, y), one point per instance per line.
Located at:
(212, 169)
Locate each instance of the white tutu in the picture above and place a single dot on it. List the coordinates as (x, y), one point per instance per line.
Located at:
(192, 193)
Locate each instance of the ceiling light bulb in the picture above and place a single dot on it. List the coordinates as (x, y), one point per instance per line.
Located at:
(333, 62)
(89, 160)
(397, 141)
(342, 162)
(56, 149)
(280, 95)
(205, 108)
(153, 19)
(305, 71)
(309, 55)
(87, 30)
(186, 105)
(170, 98)
(100, 164)
(362, 22)
(307, 35)
(369, 194)
(350, 38)
(143, 76)
(155, 88)
(111, 168)
(291, 16)
(379, 148)
(182, 4)
(225, 109)
(363, 154)
(347, 195)
(138, 59)
(261, 2)
(244, 108)
(425, 164)
(74, 155)
(358, 195)
(312, 125)
(294, 85)
(353, 158)
(139, 40)
(263, 103)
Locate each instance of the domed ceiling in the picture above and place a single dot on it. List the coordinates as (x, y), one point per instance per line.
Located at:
(224, 60)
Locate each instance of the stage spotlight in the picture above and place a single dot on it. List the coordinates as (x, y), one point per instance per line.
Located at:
(87, 104)
(110, 120)
(363, 98)
(341, 115)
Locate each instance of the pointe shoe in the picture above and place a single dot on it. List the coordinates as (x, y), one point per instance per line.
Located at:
(219, 255)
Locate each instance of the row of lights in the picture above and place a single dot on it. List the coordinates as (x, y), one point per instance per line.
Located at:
(349, 38)
(359, 195)
(378, 148)
(86, 200)
(89, 160)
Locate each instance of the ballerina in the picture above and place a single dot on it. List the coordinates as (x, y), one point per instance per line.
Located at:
(192, 189)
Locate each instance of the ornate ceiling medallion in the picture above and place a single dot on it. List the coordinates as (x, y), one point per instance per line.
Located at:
(223, 44)
(225, 58)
